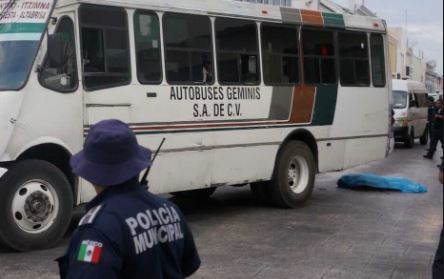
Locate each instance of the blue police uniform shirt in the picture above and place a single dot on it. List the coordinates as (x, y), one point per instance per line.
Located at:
(130, 233)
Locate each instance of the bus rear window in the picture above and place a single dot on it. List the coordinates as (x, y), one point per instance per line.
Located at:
(353, 59)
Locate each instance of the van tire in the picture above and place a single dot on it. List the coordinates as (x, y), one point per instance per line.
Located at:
(425, 137)
(36, 205)
(410, 141)
(294, 175)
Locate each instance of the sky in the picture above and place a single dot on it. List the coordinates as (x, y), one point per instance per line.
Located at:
(424, 23)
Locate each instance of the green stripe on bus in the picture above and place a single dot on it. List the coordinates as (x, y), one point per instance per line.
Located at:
(325, 107)
(22, 28)
(333, 20)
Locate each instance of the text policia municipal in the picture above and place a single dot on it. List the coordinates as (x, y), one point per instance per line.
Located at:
(159, 225)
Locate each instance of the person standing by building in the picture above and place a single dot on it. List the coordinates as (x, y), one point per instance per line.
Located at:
(431, 119)
(437, 130)
(127, 231)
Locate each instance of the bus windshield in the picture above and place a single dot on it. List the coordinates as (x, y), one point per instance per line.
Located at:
(22, 23)
(399, 99)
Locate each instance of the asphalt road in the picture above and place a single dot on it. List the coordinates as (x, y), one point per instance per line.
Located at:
(337, 234)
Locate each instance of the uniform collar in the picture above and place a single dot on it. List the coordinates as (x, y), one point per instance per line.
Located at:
(111, 191)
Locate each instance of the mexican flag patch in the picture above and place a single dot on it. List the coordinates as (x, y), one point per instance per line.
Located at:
(90, 252)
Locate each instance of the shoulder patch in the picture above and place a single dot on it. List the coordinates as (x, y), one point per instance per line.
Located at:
(90, 251)
(90, 216)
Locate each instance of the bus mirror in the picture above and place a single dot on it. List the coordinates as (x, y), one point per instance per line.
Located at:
(55, 50)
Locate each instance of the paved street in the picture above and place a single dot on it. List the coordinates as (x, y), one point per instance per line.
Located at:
(338, 234)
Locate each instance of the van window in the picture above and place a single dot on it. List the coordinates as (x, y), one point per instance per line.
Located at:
(188, 48)
(412, 100)
(319, 57)
(147, 37)
(105, 46)
(400, 99)
(421, 100)
(353, 59)
(237, 51)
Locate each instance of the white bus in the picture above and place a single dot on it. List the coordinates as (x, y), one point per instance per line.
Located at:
(243, 94)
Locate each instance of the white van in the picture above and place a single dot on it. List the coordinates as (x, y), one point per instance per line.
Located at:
(410, 105)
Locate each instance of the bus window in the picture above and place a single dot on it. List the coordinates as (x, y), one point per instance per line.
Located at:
(378, 60)
(319, 57)
(353, 59)
(60, 74)
(237, 51)
(280, 57)
(105, 47)
(188, 48)
(147, 38)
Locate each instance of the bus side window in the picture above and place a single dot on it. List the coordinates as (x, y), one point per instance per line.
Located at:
(378, 60)
(188, 49)
(105, 46)
(237, 51)
(280, 57)
(147, 37)
(319, 57)
(60, 73)
(353, 59)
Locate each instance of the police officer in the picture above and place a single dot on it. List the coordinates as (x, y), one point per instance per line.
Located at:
(438, 130)
(127, 232)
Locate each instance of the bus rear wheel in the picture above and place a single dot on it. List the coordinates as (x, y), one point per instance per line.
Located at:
(294, 175)
(36, 205)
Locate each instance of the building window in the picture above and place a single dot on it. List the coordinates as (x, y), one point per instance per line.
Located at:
(280, 57)
(378, 60)
(319, 57)
(353, 59)
(105, 46)
(148, 54)
(188, 48)
(237, 51)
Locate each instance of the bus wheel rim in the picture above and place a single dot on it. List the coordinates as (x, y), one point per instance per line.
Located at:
(35, 206)
(298, 174)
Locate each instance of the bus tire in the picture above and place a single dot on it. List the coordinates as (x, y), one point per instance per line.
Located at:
(409, 142)
(261, 192)
(294, 175)
(204, 193)
(36, 205)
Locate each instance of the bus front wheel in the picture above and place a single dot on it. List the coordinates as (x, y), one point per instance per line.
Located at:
(36, 205)
(294, 175)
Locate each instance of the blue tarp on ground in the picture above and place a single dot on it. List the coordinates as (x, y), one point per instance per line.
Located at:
(363, 180)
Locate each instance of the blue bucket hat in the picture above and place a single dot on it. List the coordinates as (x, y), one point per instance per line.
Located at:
(110, 155)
